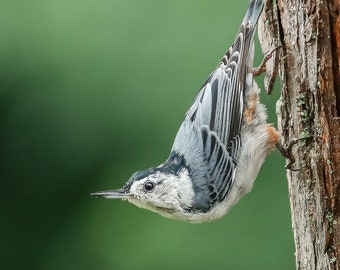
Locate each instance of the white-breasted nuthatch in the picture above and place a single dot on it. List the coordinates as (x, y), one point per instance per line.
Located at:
(220, 146)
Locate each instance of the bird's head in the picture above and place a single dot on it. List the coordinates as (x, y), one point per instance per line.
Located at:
(162, 190)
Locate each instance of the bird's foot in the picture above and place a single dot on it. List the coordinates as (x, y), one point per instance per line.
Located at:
(286, 151)
(262, 67)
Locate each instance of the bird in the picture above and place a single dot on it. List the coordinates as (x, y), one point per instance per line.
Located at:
(220, 146)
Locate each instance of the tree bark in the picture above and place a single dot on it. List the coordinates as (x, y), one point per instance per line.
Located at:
(308, 64)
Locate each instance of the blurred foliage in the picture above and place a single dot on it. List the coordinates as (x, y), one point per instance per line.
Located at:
(94, 90)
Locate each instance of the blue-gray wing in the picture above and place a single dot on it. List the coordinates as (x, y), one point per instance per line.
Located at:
(220, 102)
(210, 136)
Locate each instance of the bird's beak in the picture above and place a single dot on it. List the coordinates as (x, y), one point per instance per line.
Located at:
(113, 194)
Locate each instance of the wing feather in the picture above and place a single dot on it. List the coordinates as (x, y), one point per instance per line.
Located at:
(215, 118)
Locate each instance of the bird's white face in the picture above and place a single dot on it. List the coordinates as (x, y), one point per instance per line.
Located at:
(167, 194)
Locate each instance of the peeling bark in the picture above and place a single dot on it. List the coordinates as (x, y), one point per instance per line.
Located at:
(309, 67)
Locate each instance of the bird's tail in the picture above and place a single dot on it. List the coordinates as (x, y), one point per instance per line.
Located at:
(245, 35)
(253, 12)
(237, 62)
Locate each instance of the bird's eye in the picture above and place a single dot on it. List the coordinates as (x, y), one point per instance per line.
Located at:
(149, 186)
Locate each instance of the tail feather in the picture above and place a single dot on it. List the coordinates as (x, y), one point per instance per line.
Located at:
(244, 37)
(253, 13)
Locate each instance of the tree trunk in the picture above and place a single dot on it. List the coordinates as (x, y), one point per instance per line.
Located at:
(309, 67)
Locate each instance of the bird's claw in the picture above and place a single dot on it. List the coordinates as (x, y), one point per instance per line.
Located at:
(286, 151)
(262, 67)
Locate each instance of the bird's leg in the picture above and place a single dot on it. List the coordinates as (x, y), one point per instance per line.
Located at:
(286, 151)
(262, 67)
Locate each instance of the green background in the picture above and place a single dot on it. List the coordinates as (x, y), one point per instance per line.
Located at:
(92, 91)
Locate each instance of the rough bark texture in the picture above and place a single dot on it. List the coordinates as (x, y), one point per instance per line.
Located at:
(309, 67)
